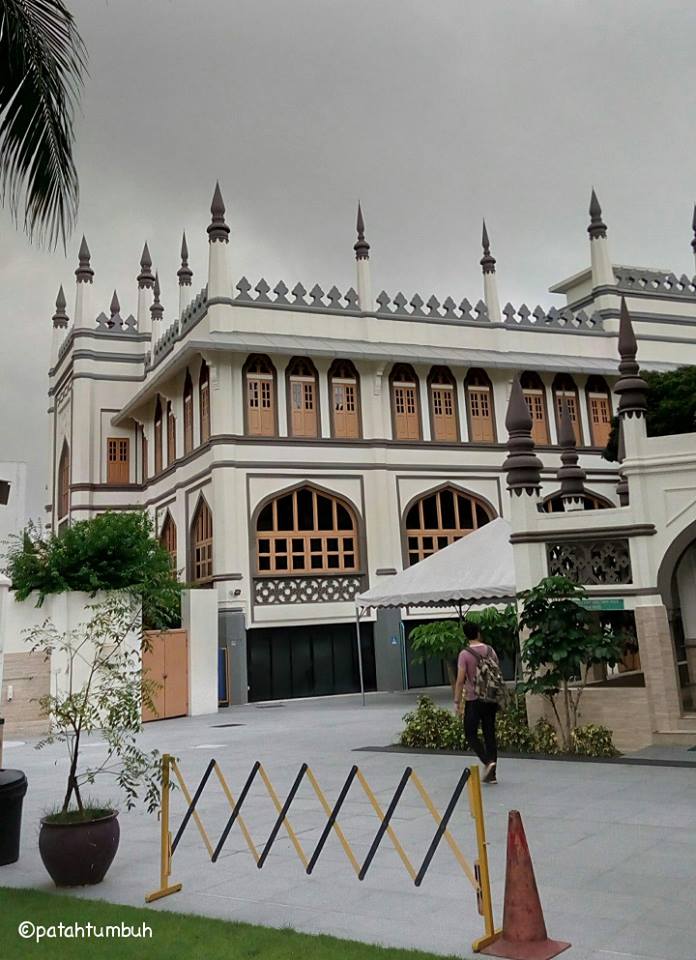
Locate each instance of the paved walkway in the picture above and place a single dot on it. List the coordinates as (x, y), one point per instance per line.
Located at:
(614, 847)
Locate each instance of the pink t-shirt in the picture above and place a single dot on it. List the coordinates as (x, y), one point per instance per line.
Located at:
(468, 662)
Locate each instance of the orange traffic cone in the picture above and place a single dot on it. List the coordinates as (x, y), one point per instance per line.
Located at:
(524, 934)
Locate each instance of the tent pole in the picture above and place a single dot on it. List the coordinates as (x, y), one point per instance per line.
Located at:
(360, 663)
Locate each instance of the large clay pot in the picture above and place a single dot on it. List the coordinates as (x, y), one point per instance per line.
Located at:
(76, 854)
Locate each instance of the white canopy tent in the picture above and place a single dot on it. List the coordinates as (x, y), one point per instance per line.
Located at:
(477, 568)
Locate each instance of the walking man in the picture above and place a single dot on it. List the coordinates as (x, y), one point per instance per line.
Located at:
(480, 683)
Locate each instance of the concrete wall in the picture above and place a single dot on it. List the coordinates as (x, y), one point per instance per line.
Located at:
(200, 619)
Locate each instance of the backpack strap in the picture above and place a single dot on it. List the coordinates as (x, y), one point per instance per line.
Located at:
(480, 656)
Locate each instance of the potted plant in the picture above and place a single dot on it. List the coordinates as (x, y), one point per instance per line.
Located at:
(102, 689)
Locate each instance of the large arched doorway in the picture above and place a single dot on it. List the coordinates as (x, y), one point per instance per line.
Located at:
(676, 581)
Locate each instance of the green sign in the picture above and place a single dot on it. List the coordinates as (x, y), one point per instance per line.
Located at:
(602, 603)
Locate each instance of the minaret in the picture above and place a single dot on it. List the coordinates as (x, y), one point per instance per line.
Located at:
(622, 485)
(219, 284)
(114, 308)
(570, 475)
(60, 326)
(156, 311)
(693, 242)
(522, 466)
(630, 386)
(490, 285)
(84, 276)
(146, 282)
(184, 273)
(362, 264)
(602, 270)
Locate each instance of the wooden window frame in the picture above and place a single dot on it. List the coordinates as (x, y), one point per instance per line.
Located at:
(269, 374)
(188, 414)
(116, 445)
(302, 378)
(159, 438)
(558, 390)
(144, 454)
(597, 388)
(299, 547)
(343, 372)
(538, 390)
(403, 375)
(168, 539)
(64, 467)
(487, 385)
(446, 383)
(450, 534)
(202, 534)
(204, 419)
(171, 434)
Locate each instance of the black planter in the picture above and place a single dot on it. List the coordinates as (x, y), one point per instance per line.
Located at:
(76, 854)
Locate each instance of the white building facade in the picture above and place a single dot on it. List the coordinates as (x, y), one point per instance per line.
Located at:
(296, 445)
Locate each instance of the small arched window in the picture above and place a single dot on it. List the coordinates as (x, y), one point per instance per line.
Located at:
(535, 395)
(479, 407)
(171, 434)
(599, 410)
(167, 538)
(344, 387)
(438, 519)
(260, 380)
(443, 404)
(303, 398)
(564, 389)
(158, 436)
(204, 401)
(188, 414)
(306, 531)
(405, 403)
(202, 545)
(64, 481)
(591, 501)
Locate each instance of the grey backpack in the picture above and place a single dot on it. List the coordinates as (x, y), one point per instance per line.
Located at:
(488, 684)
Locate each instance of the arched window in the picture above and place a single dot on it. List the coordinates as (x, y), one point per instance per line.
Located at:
(202, 545)
(344, 388)
(260, 380)
(171, 434)
(144, 453)
(443, 404)
(306, 531)
(188, 414)
(204, 401)
(599, 410)
(158, 436)
(303, 398)
(592, 501)
(564, 389)
(167, 538)
(535, 394)
(405, 403)
(479, 406)
(64, 481)
(438, 519)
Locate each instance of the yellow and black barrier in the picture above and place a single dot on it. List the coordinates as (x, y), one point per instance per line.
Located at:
(476, 872)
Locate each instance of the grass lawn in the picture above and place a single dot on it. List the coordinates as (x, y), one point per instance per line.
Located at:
(175, 936)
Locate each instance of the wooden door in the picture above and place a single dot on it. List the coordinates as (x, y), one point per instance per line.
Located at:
(537, 411)
(166, 662)
(406, 412)
(480, 415)
(600, 419)
(303, 408)
(444, 419)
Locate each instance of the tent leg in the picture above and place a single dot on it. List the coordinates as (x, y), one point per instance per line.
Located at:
(360, 662)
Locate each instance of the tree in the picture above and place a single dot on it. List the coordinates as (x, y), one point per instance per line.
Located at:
(671, 407)
(113, 551)
(438, 638)
(42, 67)
(564, 640)
(499, 629)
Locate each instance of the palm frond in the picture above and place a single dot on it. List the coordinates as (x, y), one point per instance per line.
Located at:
(42, 66)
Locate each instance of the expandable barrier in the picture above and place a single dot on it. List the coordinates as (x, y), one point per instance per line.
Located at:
(476, 872)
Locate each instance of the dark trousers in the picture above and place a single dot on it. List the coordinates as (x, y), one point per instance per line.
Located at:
(479, 713)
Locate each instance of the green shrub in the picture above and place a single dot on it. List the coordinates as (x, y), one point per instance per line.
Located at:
(512, 728)
(545, 738)
(432, 727)
(593, 740)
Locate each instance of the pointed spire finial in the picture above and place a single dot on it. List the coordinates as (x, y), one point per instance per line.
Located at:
(487, 260)
(145, 278)
(522, 466)
(115, 307)
(570, 475)
(156, 310)
(597, 227)
(60, 317)
(84, 272)
(361, 246)
(218, 229)
(630, 386)
(184, 273)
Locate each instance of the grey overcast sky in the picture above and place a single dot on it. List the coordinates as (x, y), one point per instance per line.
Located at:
(433, 112)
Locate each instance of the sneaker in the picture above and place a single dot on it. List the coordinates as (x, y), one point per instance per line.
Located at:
(489, 773)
